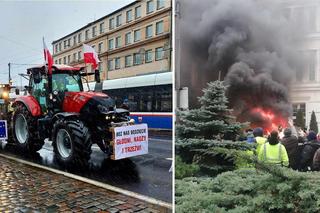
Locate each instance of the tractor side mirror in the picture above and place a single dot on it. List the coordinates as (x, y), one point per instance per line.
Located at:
(37, 77)
(97, 76)
(17, 91)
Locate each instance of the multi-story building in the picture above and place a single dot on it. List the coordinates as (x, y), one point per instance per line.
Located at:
(305, 88)
(133, 40)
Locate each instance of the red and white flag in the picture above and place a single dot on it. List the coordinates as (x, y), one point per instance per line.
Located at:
(90, 56)
(47, 57)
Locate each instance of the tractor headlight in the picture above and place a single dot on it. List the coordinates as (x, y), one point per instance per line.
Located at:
(102, 108)
(5, 95)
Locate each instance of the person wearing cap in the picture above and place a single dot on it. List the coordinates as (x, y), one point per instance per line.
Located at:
(308, 152)
(273, 152)
(290, 142)
(260, 140)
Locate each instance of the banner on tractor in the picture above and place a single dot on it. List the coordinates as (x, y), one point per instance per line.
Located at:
(130, 141)
(3, 130)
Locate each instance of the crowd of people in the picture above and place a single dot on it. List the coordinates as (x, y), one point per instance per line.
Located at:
(297, 150)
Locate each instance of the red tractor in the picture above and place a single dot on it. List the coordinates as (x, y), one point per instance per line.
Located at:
(58, 108)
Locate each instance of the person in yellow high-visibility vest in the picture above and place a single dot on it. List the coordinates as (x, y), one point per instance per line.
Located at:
(273, 152)
(259, 139)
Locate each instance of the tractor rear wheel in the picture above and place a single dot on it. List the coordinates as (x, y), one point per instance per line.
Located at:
(71, 142)
(24, 130)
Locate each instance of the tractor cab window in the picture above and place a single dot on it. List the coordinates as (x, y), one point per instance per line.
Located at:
(39, 92)
(66, 83)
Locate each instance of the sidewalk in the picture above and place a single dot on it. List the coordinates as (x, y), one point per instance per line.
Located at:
(27, 189)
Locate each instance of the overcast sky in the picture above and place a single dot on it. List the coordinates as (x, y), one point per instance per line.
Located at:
(24, 23)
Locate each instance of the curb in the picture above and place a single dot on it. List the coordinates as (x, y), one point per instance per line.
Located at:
(95, 183)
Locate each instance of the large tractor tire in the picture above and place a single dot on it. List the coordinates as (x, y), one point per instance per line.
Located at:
(71, 143)
(24, 127)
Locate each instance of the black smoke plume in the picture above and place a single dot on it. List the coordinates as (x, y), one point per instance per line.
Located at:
(248, 43)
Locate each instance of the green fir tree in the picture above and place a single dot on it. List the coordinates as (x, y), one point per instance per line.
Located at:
(313, 123)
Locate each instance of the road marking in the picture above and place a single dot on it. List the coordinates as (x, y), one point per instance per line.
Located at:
(95, 183)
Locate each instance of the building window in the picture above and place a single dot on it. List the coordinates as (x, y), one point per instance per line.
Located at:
(56, 48)
(160, 4)
(111, 23)
(94, 31)
(79, 55)
(136, 58)
(110, 65)
(69, 42)
(117, 63)
(149, 31)
(128, 38)
(159, 53)
(128, 60)
(79, 37)
(129, 15)
(56, 61)
(148, 56)
(87, 34)
(119, 20)
(101, 27)
(118, 42)
(159, 27)
(60, 46)
(150, 6)
(65, 44)
(69, 59)
(100, 47)
(74, 40)
(137, 35)
(59, 60)
(110, 44)
(311, 56)
(137, 11)
(65, 60)
(74, 56)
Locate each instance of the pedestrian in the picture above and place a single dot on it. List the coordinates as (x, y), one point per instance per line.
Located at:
(290, 142)
(259, 139)
(273, 152)
(250, 136)
(308, 151)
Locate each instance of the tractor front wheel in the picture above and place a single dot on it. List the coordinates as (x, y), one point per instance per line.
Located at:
(71, 143)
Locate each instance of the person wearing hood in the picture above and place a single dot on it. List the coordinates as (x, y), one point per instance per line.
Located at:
(308, 152)
(290, 142)
(260, 140)
(273, 152)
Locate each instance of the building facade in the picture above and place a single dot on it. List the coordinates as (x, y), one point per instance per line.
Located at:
(133, 40)
(305, 88)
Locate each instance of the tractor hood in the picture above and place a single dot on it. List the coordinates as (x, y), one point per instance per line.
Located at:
(75, 101)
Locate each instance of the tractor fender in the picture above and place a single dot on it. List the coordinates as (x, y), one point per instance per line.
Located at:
(31, 103)
(63, 115)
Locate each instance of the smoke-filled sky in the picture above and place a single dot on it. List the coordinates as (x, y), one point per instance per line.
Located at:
(251, 43)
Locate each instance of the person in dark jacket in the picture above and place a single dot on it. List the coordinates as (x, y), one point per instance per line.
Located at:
(308, 151)
(290, 142)
(316, 161)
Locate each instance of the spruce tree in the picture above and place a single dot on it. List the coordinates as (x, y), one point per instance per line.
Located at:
(300, 119)
(313, 123)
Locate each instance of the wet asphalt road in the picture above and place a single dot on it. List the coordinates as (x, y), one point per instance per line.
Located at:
(148, 174)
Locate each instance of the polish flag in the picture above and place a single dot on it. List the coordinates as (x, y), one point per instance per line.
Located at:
(47, 57)
(90, 56)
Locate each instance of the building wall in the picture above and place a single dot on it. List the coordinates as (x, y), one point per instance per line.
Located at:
(105, 32)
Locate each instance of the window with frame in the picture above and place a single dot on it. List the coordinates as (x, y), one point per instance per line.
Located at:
(119, 20)
(100, 47)
(150, 6)
(159, 53)
(94, 31)
(129, 15)
(56, 48)
(160, 4)
(74, 40)
(79, 37)
(65, 60)
(117, 63)
(87, 34)
(159, 27)
(148, 56)
(69, 59)
(60, 46)
(149, 31)
(74, 56)
(137, 35)
(65, 44)
(111, 44)
(128, 38)
(69, 42)
(118, 41)
(101, 27)
(56, 61)
(59, 60)
(110, 64)
(128, 60)
(137, 12)
(111, 23)
(137, 59)
(79, 55)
